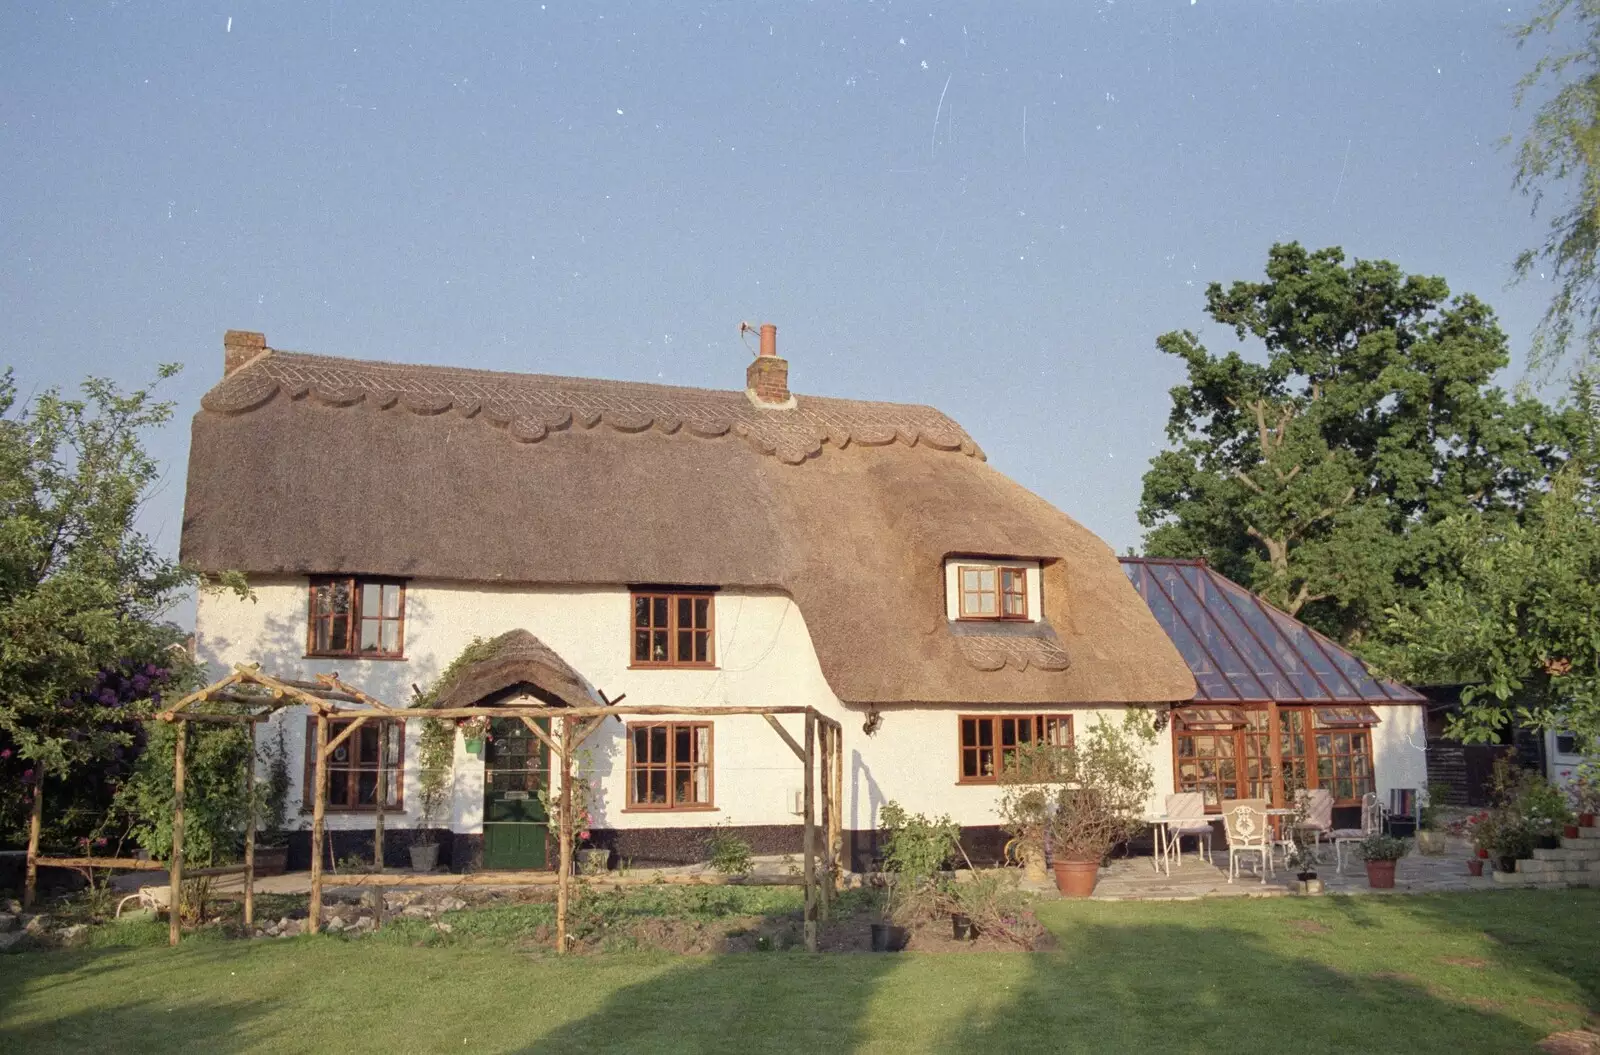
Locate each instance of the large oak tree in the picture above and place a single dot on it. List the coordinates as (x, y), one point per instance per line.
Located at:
(1317, 468)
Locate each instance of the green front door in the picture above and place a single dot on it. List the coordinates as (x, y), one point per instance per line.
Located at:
(516, 767)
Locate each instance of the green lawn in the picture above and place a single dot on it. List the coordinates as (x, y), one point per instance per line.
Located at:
(1487, 972)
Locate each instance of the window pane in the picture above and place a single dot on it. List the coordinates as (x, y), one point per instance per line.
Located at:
(339, 787)
(371, 600)
(702, 785)
(702, 744)
(367, 788)
(641, 646)
(641, 611)
(683, 786)
(659, 611)
(685, 646)
(986, 604)
(390, 638)
(658, 646)
(986, 731)
(658, 787)
(702, 612)
(641, 744)
(658, 743)
(969, 580)
(702, 646)
(969, 763)
(641, 786)
(681, 754)
(338, 634)
(391, 602)
(685, 611)
(370, 635)
(366, 739)
(969, 732)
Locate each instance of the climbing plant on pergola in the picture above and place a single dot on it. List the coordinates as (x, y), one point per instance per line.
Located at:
(250, 696)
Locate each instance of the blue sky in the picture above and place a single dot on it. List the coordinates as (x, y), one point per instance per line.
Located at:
(991, 208)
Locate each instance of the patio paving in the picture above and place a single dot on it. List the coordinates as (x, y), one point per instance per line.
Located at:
(1137, 879)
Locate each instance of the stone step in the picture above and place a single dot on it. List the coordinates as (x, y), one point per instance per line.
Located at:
(1592, 832)
(1534, 880)
(1587, 847)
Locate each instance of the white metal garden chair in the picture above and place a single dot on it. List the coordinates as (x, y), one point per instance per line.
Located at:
(1186, 816)
(1249, 831)
(1371, 824)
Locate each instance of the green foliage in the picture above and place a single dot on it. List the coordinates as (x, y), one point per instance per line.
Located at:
(1317, 477)
(1433, 807)
(1380, 847)
(216, 803)
(1560, 154)
(727, 851)
(996, 905)
(81, 590)
(915, 850)
(1100, 786)
(1025, 794)
(436, 749)
(1517, 619)
(272, 807)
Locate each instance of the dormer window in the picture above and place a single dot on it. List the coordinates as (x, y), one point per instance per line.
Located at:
(993, 592)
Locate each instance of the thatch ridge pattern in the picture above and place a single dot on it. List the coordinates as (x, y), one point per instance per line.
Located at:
(531, 406)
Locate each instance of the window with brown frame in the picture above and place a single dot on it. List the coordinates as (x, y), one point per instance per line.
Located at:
(992, 593)
(673, 629)
(356, 767)
(669, 766)
(355, 616)
(989, 742)
(1228, 764)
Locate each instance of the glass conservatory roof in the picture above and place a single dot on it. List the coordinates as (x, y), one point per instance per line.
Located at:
(1240, 648)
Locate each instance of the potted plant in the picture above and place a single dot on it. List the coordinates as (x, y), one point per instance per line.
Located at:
(1585, 795)
(1303, 859)
(436, 748)
(474, 731)
(915, 851)
(1382, 853)
(272, 807)
(1543, 808)
(1432, 839)
(1513, 840)
(1025, 802)
(1100, 785)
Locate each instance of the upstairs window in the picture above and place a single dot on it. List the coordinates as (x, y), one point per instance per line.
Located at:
(672, 629)
(352, 616)
(993, 593)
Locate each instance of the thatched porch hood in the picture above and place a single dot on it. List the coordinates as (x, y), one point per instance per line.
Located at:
(309, 464)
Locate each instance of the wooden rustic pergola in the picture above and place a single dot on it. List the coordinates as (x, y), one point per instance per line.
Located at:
(255, 695)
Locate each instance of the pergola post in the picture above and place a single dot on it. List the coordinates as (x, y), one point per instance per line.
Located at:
(319, 805)
(35, 820)
(250, 835)
(810, 873)
(824, 780)
(837, 820)
(175, 869)
(564, 881)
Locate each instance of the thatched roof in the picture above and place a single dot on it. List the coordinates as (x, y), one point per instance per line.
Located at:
(514, 660)
(306, 464)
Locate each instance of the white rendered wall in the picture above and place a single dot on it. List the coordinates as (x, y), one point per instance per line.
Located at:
(764, 656)
(763, 652)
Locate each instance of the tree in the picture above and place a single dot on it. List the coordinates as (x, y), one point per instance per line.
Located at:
(82, 592)
(1520, 624)
(1561, 154)
(1317, 476)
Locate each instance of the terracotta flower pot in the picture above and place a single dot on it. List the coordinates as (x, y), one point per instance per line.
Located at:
(1570, 831)
(1475, 866)
(1483, 853)
(1586, 820)
(1380, 875)
(1076, 878)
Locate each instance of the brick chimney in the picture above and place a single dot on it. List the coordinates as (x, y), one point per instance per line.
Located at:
(239, 347)
(767, 378)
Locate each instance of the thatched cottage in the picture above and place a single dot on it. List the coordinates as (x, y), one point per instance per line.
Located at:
(681, 547)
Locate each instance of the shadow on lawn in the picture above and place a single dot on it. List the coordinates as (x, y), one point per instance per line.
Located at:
(69, 1013)
(1181, 986)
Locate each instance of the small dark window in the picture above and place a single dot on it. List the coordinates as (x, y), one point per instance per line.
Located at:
(673, 630)
(669, 766)
(352, 616)
(370, 757)
(989, 742)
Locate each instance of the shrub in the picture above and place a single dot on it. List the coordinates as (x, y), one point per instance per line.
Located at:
(992, 900)
(1100, 785)
(728, 853)
(915, 849)
(1380, 847)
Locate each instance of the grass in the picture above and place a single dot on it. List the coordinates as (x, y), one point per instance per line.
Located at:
(1487, 972)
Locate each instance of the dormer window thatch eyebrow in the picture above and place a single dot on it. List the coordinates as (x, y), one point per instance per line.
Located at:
(992, 592)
